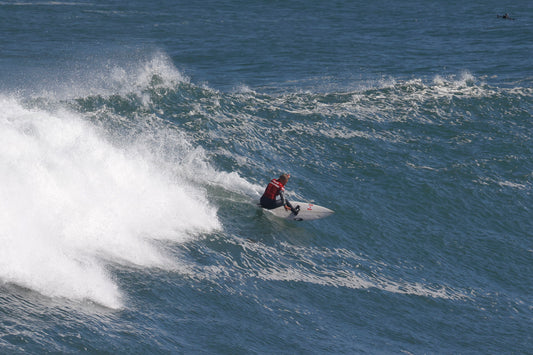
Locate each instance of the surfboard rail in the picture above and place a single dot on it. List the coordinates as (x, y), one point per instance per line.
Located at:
(308, 212)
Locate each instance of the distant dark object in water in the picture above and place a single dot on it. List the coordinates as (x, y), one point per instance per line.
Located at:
(505, 17)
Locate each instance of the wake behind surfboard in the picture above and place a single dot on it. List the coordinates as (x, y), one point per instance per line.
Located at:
(308, 212)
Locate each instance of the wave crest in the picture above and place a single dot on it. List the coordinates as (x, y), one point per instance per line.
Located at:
(74, 203)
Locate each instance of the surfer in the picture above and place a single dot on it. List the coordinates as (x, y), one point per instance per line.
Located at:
(505, 17)
(276, 188)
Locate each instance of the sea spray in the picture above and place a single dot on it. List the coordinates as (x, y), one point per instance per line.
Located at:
(73, 202)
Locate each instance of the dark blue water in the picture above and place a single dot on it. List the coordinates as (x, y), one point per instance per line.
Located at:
(136, 138)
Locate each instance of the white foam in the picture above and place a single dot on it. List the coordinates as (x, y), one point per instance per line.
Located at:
(156, 72)
(129, 74)
(323, 275)
(317, 266)
(354, 281)
(73, 203)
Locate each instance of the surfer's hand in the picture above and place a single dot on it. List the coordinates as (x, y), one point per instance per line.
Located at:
(287, 208)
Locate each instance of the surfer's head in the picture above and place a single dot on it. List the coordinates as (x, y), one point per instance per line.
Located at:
(284, 178)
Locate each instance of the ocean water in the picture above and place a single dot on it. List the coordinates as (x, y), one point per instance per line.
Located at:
(136, 138)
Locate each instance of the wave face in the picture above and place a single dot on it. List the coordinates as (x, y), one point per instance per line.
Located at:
(78, 197)
(147, 177)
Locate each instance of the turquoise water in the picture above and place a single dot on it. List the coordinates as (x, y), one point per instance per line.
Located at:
(136, 139)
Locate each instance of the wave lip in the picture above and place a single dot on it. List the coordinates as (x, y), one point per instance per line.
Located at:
(74, 203)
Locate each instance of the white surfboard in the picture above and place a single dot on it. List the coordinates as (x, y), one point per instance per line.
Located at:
(308, 212)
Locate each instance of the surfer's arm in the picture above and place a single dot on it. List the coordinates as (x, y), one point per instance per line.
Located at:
(282, 197)
(286, 203)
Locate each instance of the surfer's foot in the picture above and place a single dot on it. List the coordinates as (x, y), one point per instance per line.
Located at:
(295, 210)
